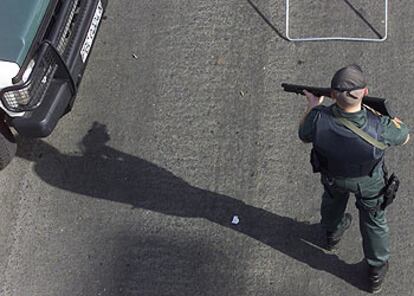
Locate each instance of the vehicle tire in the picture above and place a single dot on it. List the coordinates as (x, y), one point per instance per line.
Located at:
(8, 144)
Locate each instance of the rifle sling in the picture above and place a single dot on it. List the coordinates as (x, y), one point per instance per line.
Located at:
(366, 137)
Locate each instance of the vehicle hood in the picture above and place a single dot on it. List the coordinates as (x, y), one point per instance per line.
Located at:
(20, 21)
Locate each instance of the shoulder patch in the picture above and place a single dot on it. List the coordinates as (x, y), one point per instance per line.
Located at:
(397, 122)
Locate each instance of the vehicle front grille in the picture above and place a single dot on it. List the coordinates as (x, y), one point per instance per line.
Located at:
(67, 30)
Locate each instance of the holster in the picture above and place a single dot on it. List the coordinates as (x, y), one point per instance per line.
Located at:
(390, 190)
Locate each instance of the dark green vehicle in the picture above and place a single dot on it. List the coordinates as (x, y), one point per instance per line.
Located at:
(44, 49)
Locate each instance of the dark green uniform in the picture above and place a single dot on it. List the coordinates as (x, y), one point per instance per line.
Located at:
(373, 224)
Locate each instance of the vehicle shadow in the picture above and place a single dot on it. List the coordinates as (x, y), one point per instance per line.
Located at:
(102, 172)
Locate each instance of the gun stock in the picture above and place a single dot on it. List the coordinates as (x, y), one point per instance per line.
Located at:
(380, 105)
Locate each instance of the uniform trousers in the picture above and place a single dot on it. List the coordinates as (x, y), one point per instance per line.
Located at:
(372, 221)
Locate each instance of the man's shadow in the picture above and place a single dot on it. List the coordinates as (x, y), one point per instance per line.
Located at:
(102, 172)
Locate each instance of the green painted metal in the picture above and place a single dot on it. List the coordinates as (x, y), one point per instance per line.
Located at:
(19, 23)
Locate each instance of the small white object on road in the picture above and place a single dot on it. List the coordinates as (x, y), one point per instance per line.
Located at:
(235, 220)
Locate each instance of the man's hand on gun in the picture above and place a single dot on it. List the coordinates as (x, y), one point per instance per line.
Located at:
(313, 100)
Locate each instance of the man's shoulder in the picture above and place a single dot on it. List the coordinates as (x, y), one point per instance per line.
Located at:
(320, 109)
(306, 129)
(313, 114)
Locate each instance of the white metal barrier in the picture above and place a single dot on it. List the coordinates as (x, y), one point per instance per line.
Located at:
(336, 38)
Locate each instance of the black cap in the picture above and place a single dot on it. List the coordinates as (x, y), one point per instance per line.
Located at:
(348, 78)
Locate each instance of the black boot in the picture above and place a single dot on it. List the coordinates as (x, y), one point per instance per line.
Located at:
(333, 238)
(376, 276)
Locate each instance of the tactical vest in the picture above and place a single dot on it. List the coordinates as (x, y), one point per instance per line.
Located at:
(339, 152)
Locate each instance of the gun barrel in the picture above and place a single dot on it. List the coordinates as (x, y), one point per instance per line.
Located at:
(298, 89)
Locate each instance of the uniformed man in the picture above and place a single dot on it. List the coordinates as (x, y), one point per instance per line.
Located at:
(350, 164)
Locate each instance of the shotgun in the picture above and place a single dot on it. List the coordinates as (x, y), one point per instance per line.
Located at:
(380, 105)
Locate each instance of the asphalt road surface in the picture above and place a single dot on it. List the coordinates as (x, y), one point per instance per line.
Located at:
(181, 124)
